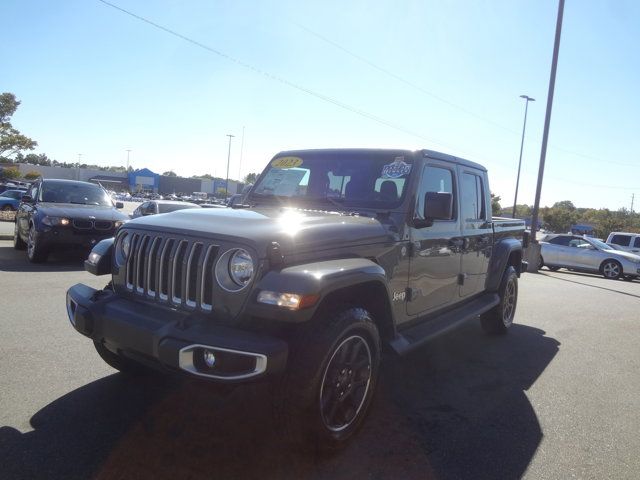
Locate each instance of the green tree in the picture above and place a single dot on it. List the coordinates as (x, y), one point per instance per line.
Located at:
(10, 173)
(169, 173)
(11, 140)
(252, 177)
(495, 203)
(32, 175)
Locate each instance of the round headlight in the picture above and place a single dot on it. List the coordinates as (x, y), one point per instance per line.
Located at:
(241, 267)
(234, 269)
(125, 244)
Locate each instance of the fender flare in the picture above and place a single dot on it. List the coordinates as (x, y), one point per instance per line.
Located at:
(100, 265)
(318, 278)
(499, 261)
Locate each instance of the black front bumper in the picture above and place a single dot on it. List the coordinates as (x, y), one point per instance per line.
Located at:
(173, 340)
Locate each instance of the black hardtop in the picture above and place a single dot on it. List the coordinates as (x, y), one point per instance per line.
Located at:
(379, 151)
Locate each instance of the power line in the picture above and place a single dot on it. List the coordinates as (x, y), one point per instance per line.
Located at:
(277, 78)
(437, 97)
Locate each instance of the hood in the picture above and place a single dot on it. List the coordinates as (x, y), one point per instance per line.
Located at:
(623, 254)
(72, 210)
(295, 230)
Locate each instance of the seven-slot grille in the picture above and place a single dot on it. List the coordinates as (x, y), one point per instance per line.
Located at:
(172, 270)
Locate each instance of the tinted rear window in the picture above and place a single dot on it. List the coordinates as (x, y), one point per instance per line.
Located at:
(561, 241)
(622, 240)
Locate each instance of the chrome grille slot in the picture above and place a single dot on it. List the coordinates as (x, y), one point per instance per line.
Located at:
(191, 275)
(206, 286)
(140, 261)
(163, 269)
(177, 282)
(151, 266)
(179, 271)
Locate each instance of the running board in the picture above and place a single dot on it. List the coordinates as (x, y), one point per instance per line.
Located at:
(416, 336)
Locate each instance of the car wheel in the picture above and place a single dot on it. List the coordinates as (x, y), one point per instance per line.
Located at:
(611, 269)
(35, 251)
(18, 243)
(119, 362)
(540, 263)
(8, 208)
(324, 396)
(500, 318)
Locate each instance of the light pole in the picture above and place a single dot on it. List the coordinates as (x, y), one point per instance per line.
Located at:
(128, 152)
(226, 185)
(524, 127)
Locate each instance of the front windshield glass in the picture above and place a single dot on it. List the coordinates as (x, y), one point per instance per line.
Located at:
(351, 179)
(600, 245)
(80, 193)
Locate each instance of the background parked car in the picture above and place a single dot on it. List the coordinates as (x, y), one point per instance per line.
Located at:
(10, 199)
(64, 213)
(629, 242)
(154, 207)
(588, 254)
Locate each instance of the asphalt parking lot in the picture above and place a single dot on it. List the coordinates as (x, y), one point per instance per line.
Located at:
(556, 398)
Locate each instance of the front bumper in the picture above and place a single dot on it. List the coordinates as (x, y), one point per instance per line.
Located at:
(67, 236)
(171, 340)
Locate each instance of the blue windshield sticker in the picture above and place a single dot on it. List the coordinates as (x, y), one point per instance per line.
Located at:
(396, 169)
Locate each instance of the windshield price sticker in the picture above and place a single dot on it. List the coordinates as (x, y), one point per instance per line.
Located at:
(286, 162)
(396, 169)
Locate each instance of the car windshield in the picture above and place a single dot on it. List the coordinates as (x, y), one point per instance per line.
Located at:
(349, 179)
(172, 207)
(600, 245)
(79, 193)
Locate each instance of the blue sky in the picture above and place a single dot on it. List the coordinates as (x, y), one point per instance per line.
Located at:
(95, 81)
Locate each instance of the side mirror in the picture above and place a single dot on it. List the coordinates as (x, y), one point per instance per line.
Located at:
(119, 205)
(438, 206)
(26, 199)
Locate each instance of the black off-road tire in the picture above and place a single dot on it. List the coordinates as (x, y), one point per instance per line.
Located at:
(119, 362)
(18, 243)
(36, 253)
(316, 375)
(611, 269)
(499, 319)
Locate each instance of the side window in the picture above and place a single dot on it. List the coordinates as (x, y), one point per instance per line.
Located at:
(578, 242)
(636, 242)
(622, 240)
(33, 192)
(472, 197)
(434, 179)
(560, 241)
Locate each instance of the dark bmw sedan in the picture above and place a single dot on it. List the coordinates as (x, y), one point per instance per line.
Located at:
(57, 214)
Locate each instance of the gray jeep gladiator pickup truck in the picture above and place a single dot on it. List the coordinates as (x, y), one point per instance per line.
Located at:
(333, 257)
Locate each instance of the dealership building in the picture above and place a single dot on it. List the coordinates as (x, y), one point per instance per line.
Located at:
(143, 180)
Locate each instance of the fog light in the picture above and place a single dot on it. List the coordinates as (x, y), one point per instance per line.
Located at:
(209, 358)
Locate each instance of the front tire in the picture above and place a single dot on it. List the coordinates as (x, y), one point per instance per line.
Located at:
(499, 319)
(18, 243)
(332, 374)
(611, 269)
(36, 253)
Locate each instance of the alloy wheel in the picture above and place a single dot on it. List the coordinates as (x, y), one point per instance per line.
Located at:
(509, 303)
(611, 270)
(345, 383)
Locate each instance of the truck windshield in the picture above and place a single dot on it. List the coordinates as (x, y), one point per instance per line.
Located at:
(353, 179)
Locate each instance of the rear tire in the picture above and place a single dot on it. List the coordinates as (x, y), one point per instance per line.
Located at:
(331, 377)
(611, 269)
(18, 243)
(500, 318)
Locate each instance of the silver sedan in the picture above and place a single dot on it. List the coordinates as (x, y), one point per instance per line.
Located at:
(588, 255)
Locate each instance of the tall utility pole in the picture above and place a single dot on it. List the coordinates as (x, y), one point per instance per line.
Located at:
(226, 185)
(524, 127)
(128, 152)
(78, 168)
(535, 252)
(241, 150)
(633, 195)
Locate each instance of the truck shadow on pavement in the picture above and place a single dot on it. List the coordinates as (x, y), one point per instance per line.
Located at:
(12, 260)
(455, 409)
